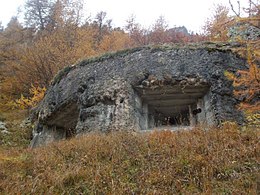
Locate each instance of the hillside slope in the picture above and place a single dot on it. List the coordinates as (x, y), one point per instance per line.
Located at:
(219, 161)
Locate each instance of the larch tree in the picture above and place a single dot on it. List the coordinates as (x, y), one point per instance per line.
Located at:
(115, 40)
(158, 34)
(37, 13)
(66, 13)
(12, 41)
(247, 82)
(102, 25)
(137, 33)
(216, 27)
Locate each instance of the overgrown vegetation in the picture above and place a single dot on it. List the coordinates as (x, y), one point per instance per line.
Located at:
(217, 161)
(19, 130)
(223, 27)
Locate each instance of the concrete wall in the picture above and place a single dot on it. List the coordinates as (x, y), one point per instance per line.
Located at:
(141, 112)
(47, 135)
(99, 94)
(206, 117)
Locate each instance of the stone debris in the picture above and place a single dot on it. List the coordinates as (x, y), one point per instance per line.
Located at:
(26, 123)
(3, 128)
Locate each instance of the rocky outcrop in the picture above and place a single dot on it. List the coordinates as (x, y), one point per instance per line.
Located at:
(244, 31)
(139, 89)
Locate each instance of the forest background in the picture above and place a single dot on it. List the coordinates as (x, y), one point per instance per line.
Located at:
(55, 34)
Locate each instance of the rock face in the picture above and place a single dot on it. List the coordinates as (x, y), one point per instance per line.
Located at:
(140, 89)
(244, 31)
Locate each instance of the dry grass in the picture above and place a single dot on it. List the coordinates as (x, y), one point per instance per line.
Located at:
(219, 161)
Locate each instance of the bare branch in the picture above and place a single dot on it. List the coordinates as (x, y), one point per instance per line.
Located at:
(256, 6)
(232, 8)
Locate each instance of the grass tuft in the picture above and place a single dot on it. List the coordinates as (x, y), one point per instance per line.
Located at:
(61, 74)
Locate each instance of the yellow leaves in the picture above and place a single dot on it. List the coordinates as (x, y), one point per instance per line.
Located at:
(23, 102)
(253, 119)
(230, 125)
(229, 75)
(37, 94)
(3, 103)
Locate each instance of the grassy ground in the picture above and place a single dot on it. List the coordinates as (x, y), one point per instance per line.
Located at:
(19, 132)
(217, 161)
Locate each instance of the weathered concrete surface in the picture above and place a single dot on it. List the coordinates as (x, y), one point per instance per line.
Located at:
(244, 31)
(120, 91)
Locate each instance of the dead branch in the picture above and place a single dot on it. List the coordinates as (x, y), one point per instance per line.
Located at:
(232, 8)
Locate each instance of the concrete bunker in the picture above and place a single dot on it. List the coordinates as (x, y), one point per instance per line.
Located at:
(62, 125)
(174, 104)
(139, 89)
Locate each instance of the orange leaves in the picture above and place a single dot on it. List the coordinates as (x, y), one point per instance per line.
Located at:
(217, 26)
(116, 40)
(251, 108)
(247, 83)
(37, 63)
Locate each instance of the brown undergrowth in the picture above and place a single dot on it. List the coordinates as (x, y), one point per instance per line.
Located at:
(217, 161)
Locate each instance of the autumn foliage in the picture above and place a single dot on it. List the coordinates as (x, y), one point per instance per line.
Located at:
(246, 82)
(56, 35)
